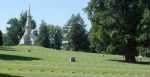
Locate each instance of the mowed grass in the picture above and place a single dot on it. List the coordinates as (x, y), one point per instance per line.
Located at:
(18, 60)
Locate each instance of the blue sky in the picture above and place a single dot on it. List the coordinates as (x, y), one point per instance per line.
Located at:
(55, 12)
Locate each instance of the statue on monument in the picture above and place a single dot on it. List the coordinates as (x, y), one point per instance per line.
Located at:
(26, 38)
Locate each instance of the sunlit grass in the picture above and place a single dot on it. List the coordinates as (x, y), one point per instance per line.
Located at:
(43, 61)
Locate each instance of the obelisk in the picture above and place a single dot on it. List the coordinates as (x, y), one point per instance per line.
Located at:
(26, 38)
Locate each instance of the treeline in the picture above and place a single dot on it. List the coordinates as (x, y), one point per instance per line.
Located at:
(49, 35)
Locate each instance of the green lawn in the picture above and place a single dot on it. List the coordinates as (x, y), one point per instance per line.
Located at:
(18, 60)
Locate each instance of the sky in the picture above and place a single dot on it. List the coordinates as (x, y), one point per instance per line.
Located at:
(56, 12)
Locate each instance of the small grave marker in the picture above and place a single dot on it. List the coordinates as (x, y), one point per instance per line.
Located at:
(29, 50)
(42, 70)
(140, 58)
(72, 59)
(9, 69)
(30, 70)
(72, 72)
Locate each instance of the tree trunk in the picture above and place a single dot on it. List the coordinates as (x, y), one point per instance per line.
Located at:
(131, 52)
(130, 58)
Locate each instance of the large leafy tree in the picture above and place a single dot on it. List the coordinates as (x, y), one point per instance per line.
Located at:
(13, 31)
(43, 36)
(55, 36)
(77, 36)
(1, 38)
(116, 24)
(16, 29)
(143, 28)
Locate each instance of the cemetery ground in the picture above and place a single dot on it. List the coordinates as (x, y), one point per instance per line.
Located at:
(16, 61)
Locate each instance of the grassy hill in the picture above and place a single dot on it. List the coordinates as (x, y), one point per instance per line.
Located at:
(18, 60)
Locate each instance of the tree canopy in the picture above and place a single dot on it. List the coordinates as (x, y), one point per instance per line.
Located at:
(55, 36)
(77, 35)
(119, 26)
(43, 36)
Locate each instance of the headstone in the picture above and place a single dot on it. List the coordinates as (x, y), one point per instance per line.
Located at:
(72, 59)
(29, 50)
(123, 57)
(140, 58)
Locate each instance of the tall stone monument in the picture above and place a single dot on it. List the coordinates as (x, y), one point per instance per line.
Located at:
(26, 38)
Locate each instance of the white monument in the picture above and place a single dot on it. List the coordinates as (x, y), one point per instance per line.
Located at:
(26, 38)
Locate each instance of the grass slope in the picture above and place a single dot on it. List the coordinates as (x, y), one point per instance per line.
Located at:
(42, 61)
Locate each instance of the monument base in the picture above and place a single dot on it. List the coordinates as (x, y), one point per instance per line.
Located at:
(25, 42)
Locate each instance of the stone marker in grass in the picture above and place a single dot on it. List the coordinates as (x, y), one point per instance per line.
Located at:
(63, 71)
(72, 59)
(139, 58)
(41, 70)
(29, 50)
(9, 69)
(72, 72)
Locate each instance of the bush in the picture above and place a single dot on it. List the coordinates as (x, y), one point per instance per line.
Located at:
(144, 51)
(65, 47)
(148, 53)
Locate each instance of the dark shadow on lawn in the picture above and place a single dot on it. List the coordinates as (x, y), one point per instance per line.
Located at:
(123, 61)
(7, 75)
(15, 57)
(7, 48)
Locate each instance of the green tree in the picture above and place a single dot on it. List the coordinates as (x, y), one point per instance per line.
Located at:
(5, 40)
(16, 29)
(43, 36)
(114, 26)
(13, 31)
(55, 36)
(1, 38)
(77, 36)
(143, 29)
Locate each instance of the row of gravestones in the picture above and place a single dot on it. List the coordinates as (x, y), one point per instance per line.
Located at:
(103, 73)
(71, 59)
